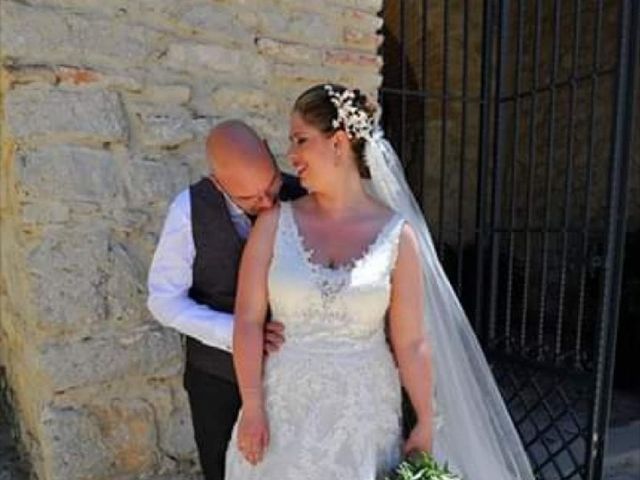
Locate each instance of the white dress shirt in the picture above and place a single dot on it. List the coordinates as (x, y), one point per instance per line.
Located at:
(171, 277)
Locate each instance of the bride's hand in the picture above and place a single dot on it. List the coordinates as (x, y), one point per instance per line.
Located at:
(253, 434)
(420, 439)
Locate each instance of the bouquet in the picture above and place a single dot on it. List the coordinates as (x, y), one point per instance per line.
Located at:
(422, 466)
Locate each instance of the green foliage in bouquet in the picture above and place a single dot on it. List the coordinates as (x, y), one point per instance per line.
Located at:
(422, 466)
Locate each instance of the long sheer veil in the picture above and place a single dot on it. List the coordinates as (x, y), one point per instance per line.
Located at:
(474, 432)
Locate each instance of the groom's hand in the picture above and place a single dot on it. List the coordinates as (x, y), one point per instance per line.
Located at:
(273, 336)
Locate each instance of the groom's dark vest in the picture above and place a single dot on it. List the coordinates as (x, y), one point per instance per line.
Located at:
(215, 267)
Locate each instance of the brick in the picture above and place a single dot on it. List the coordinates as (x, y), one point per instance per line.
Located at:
(80, 76)
(77, 76)
(71, 115)
(362, 38)
(362, 20)
(354, 59)
(288, 52)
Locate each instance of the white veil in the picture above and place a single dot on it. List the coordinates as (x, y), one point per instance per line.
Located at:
(474, 432)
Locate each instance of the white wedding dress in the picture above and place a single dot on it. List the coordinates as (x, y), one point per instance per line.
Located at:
(332, 392)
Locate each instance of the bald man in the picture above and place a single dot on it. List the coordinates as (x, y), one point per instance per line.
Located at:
(192, 279)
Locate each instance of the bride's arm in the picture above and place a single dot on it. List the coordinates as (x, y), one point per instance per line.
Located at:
(409, 338)
(250, 313)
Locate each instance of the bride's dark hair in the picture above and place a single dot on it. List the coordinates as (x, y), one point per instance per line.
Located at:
(315, 108)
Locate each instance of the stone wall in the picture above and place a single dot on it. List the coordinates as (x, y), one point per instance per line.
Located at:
(104, 105)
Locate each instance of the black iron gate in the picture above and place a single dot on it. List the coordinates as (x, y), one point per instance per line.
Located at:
(514, 121)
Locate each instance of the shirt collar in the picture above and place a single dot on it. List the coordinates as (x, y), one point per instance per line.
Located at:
(233, 208)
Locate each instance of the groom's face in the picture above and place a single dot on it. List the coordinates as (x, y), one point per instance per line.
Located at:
(253, 184)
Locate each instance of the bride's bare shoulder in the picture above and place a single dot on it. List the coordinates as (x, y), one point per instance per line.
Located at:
(268, 219)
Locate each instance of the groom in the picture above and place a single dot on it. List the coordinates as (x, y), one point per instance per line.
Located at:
(192, 278)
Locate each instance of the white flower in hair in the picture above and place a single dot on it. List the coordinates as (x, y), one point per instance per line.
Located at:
(356, 122)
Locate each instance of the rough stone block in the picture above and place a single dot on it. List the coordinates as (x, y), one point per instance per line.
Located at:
(304, 75)
(68, 173)
(106, 6)
(89, 115)
(167, 94)
(126, 287)
(176, 433)
(68, 38)
(73, 445)
(311, 28)
(95, 441)
(93, 360)
(194, 56)
(230, 100)
(205, 19)
(156, 180)
(128, 427)
(162, 125)
(210, 59)
(68, 272)
(371, 5)
(45, 213)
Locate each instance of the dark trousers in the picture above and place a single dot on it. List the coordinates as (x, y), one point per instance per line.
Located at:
(215, 403)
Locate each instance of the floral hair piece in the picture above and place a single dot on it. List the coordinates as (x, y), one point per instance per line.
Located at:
(356, 122)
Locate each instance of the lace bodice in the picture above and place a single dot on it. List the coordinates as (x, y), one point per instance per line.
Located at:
(318, 303)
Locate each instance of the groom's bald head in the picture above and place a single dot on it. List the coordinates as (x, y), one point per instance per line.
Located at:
(235, 145)
(241, 161)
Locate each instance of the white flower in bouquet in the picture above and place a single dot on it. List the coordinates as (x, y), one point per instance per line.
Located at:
(422, 466)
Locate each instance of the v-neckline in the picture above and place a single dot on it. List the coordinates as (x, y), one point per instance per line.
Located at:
(347, 266)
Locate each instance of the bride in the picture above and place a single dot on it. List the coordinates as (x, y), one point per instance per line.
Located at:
(351, 272)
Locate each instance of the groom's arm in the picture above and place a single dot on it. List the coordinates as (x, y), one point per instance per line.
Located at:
(171, 277)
